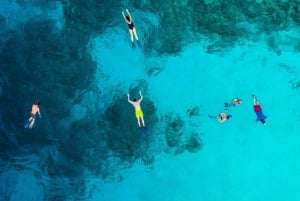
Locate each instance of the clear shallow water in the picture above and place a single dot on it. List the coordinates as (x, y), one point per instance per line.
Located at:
(87, 145)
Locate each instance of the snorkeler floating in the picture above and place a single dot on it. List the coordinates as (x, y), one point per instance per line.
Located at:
(132, 30)
(234, 102)
(35, 109)
(138, 111)
(258, 111)
(222, 117)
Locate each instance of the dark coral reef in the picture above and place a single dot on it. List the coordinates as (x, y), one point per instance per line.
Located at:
(178, 134)
(190, 20)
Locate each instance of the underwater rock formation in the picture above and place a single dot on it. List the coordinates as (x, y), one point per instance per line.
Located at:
(210, 18)
(178, 138)
(174, 129)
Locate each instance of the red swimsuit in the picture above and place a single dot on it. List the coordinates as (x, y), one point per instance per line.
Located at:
(257, 108)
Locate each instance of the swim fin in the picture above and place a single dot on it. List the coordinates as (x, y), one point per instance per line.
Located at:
(133, 45)
(139, 43)
(27, 124)
(144, 132)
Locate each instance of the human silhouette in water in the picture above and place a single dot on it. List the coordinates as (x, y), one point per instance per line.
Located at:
(234, 102)
(132, 30)
(222, 117)
(138, 110)
(35, 110)
(258, 111)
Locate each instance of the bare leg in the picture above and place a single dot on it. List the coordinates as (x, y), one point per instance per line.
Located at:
(138, 120)
(142, 118)
(131, 35)
(135, 34)
(30, 119)
(31, 123)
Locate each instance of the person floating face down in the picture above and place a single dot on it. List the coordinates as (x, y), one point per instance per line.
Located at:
(234, 102)
(132, 30)
(35, 109)
(258, 111)
(138, 110)
(222, 117)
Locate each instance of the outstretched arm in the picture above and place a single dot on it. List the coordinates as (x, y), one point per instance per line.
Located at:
(123, 15)
(129, 99)
(128, 13)
(255, 102)
(141, 96)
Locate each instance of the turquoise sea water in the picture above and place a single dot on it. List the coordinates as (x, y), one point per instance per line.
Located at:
(76, 58)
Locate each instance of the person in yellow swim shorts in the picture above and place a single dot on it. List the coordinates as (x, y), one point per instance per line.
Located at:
(138, 110)
(139, 113)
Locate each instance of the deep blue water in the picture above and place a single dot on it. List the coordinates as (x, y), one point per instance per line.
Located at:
(76, 58)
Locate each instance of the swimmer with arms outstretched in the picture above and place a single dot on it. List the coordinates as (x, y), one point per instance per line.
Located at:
(138, 110)
(132, 30)
(258, 111)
